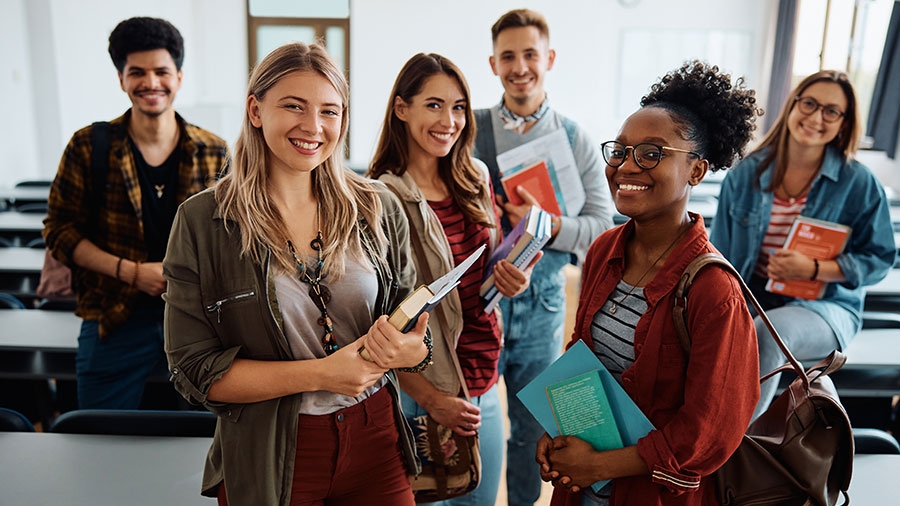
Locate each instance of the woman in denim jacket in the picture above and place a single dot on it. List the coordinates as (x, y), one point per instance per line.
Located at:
(272, 279)
(805, 166)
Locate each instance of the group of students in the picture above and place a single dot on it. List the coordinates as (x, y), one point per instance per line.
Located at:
(278, 276)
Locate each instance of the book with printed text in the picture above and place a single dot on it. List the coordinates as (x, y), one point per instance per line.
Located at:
(822, 240)
(581, 408)
(519, 247)
(631, 423)
(537, 179)
(424, 298)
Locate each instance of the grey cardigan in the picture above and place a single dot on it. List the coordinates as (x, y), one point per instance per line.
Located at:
(220, 306)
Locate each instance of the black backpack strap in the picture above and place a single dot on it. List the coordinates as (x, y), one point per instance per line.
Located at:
(486, 149)
(100, 146)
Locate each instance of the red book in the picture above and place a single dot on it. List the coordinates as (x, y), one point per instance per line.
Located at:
(822, 240)
(536, 180)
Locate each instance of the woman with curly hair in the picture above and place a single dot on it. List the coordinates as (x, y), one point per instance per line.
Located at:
(700, 402)
(805, 167)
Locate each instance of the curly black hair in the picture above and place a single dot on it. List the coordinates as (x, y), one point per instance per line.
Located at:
(714, 115)
(144, 34)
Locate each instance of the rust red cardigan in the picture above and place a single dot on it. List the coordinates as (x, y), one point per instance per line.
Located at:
(700, 404)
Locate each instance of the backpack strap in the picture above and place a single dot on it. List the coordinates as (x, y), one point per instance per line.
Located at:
(100, 145)
(486, 148)
(679, 312)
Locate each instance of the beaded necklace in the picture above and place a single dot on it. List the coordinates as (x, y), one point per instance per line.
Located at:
(319, 293)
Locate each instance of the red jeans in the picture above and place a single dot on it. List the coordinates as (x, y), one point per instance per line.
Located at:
(349, 458)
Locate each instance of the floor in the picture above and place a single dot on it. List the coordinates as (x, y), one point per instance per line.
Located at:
(573, 277)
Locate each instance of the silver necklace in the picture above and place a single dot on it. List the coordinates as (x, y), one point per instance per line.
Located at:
(634, 287)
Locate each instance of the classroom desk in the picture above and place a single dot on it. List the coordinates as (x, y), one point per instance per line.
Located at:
(40, 469)
(12, 195)
(20, 271)
(38, 344)
(889, 286)
(874, 481)
(14, 221)
(873, 365)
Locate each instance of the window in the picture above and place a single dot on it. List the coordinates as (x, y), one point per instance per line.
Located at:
(272, 23)
(845, 35)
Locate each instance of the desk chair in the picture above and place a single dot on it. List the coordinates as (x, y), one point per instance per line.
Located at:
(875, 441)
(8, 301)
(34, 183)
(136, 422)
(13, 421)
(31, 207)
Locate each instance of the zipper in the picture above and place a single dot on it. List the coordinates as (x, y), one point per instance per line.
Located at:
(217, 306)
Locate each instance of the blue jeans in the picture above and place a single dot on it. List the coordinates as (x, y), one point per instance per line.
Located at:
(490, 439)
(806, 334)
(111, 373)
(533, 324)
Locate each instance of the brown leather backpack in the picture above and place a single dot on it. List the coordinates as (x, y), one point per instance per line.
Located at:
(800, 450)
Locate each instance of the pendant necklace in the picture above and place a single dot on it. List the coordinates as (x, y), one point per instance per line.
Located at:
(793, 198)
(616, 304)
(160, 188)
(319, 293)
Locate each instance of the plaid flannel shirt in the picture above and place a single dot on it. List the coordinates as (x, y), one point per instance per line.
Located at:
(119, 226)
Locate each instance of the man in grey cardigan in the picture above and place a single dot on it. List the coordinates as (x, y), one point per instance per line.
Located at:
(534, 321)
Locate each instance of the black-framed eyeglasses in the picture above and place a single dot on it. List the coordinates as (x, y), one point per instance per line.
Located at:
(809, 105)
(646, 154)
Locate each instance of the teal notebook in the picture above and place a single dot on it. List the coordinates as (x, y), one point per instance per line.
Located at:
(579, 359)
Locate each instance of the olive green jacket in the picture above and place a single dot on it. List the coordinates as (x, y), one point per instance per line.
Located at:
(220, 306)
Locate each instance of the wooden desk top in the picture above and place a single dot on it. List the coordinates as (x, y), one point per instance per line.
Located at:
(21, 260)
(43, 469)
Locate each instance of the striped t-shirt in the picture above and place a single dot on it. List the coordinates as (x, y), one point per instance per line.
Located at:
(612, 334)
(478, 348)
(783, 214)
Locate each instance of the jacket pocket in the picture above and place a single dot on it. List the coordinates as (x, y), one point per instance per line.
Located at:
(225, 304)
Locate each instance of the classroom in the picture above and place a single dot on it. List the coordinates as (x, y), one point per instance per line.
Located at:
(608, 54)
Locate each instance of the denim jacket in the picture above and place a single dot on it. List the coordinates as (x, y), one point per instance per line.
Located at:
(845, 192)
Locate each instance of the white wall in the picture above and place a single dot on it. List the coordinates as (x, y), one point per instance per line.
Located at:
(58, 77)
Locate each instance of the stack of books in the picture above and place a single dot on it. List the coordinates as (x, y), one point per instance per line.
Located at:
(519, 247)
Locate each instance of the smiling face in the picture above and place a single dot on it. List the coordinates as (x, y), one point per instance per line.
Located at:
(151, 81)
(300, 117)
(435, 117)
(664, 190)
(810, 130)
(521, 59)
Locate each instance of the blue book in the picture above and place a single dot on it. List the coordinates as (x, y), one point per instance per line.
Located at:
(579, 359)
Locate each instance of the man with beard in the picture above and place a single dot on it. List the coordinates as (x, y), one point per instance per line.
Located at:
(111, 207)
(533, 321)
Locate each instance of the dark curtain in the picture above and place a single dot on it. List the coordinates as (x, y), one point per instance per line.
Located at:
(884, 114)
(782, 61)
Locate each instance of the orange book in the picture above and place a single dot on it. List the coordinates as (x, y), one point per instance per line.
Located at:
(535, 179)
(822, 240)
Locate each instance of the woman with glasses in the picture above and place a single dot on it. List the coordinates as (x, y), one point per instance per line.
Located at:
(805, 167)
(693, 121)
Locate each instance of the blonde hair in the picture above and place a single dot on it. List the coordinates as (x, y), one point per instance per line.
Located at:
(846, 141)
(344, 197)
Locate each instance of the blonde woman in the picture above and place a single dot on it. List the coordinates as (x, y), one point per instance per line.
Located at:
(276, 280)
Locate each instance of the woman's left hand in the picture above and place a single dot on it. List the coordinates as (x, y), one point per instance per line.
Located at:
(568, 457)
(789, 265)
(510, 280)
(390, 348)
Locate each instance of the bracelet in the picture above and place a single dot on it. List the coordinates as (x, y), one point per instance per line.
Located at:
(816, 271)
(118, 268)
(555, 223)
(137, 263)
(421, 366)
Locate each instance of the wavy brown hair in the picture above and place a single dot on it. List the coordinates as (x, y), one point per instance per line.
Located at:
(846, 141)
(344, 197)
(464, 180)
